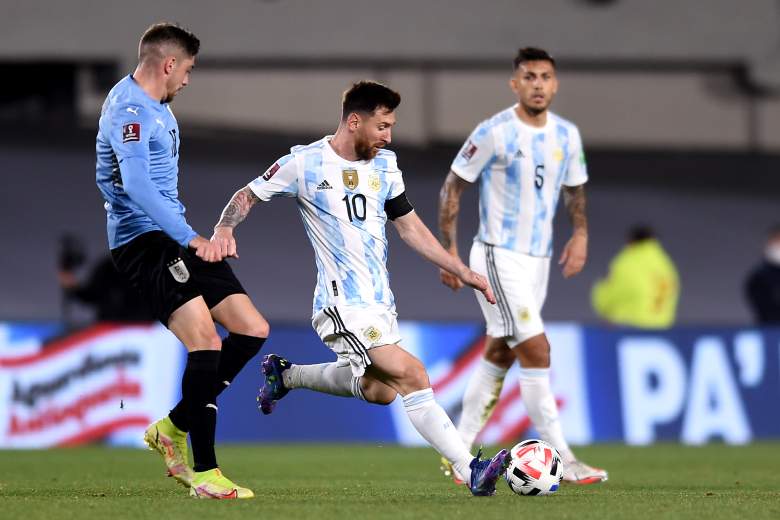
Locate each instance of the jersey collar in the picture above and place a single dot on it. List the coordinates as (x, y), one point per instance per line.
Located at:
(156, 103)
(331, 152)
(538, 129)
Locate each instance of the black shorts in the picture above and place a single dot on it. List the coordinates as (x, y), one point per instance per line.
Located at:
(168, 275)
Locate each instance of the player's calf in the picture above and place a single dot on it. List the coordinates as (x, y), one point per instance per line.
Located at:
(376, 392)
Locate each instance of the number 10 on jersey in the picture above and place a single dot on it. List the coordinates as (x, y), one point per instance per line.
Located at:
(356, 206)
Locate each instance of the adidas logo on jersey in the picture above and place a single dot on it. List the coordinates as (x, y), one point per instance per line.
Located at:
(324, 185)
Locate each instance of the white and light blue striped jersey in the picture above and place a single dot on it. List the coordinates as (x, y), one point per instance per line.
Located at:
(520, 169)
(342, 204)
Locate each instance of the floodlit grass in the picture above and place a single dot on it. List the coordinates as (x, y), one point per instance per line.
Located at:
(364, 482)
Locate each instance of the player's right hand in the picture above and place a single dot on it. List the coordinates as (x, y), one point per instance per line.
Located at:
(450, 280)
(478, 282)
(223, 237)
(205, 249)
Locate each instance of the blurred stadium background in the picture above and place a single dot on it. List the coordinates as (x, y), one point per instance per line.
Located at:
(678, 103)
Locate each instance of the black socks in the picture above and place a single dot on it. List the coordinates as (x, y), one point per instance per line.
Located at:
(199, 396)
(237, 350)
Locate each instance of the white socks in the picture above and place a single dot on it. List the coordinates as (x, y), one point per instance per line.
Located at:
(480, 399)
(432, 422)
(540, 403)
(328, 378)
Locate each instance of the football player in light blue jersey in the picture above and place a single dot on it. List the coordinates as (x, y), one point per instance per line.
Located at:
(522, 157)
(182, 276)
(347, 185)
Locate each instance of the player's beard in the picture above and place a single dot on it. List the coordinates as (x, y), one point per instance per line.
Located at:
(535, 110)
(364, 150)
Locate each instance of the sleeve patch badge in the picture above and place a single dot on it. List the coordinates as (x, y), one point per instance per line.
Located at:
(469, 150)
(271, 171)
(131, 132)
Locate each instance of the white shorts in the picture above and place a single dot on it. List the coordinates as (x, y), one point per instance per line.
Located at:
(520, 284)
(351, 332)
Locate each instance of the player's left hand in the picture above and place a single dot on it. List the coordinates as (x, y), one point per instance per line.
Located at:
(574, 255)
(478, 282)
(223, 238)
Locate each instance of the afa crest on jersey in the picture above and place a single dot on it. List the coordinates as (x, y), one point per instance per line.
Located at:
(372, 334)
(374, 182)
(350, 178)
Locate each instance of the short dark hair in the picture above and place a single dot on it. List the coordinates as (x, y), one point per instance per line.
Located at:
(532, 54)
(366, 96)
(640, 232)
(167, 33)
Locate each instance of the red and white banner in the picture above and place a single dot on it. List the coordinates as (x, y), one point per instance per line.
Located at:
(107, 382)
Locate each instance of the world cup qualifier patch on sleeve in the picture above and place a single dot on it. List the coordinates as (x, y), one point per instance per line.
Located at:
(468, 151)
(271, 171)
(131, 132)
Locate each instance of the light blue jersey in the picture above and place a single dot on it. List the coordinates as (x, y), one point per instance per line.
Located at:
(138, 166)
(342, 204)
(521, 169)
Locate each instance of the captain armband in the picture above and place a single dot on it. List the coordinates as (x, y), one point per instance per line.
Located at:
(398, 206)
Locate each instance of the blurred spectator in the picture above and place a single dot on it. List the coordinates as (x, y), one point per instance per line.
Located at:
(642, 287)
(763, 282)
(104, 289)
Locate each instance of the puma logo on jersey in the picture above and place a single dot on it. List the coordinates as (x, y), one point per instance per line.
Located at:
(132, 110)
(324, 185)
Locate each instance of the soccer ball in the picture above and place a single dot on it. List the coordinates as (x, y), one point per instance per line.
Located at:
(536, 468)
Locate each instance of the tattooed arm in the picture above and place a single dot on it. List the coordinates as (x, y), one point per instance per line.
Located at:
(574, 199)
(576, 251)
(234, 213)
(449, 207)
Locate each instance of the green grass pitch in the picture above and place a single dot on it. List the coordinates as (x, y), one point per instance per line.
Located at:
(351, 482)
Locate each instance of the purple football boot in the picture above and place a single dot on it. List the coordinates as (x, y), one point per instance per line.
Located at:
(273, 388)
(485, 473)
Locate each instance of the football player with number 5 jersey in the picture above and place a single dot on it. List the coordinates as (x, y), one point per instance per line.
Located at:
(522, 158)
(347, 186)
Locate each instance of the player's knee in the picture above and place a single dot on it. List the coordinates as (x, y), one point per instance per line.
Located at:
(255, 326)
(258, 328)
(534, 353)
(205, 337)
(414, 376)
(500, 357)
